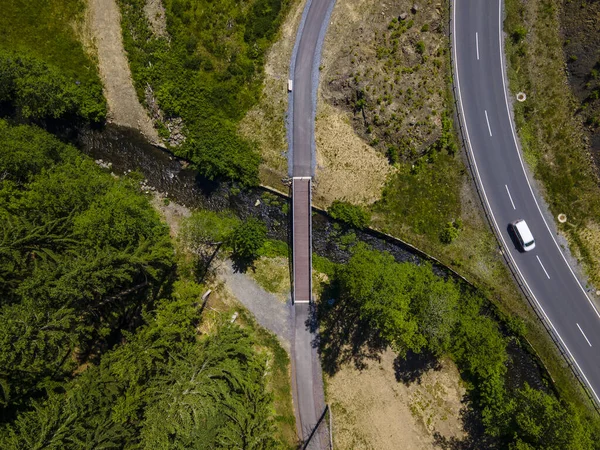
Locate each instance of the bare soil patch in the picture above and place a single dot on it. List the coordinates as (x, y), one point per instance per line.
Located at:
(171, 212)
(388, 73)
(580, 22)
(372, 410)
(155, 13)
(124, 107)
(265, 122)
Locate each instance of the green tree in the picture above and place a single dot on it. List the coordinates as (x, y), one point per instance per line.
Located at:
(163, 388)
(479, 347)
(378, 287)
(540, 421)
(434, 303)
(80, 252)
(247, 239)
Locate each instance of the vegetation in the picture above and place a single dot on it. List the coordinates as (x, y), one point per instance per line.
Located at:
(424, 196)
(451, 232)
(413, 310)
(354, 215)
(102, 346)
(207, 72)
(162, 388)
(247, 239)
(44, 70)
(80, 254)
(99, 347)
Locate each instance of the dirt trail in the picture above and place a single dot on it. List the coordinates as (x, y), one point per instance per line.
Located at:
(124, 107)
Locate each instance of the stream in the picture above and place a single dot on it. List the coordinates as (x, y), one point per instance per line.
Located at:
(123, 150)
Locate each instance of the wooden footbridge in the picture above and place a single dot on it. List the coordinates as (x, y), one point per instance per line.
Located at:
(301, 240)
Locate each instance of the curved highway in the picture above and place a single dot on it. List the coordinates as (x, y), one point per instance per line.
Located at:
(483, 103)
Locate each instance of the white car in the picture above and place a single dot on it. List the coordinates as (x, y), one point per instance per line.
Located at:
(523, 235)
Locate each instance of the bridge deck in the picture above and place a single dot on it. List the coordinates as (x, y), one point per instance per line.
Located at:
(301, 240)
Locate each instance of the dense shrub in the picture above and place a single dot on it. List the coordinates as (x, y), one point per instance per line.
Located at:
(247, 239)
(450, 232)
(38, 90)
(354, 215)
(209, 73)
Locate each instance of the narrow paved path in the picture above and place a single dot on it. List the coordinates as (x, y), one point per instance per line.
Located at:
(485, 112)
(305, 75)
(307, 377)
(266, 308)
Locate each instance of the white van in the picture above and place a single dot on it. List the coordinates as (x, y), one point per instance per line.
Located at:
(523, 235)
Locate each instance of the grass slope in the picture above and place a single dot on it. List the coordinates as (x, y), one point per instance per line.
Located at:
(208, 72)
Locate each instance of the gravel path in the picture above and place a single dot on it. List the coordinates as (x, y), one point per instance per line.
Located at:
(269, 312)
(124, 107)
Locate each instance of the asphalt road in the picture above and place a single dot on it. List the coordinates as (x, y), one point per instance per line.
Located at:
(307, 377)
(305, 79)
(483, 103)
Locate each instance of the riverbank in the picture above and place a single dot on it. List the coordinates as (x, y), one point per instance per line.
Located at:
(127, 151)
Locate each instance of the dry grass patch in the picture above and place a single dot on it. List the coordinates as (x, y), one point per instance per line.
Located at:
(265, 122)
(273, 274)
(85, 33)
(371, 410)
(387, 73)
(347, 167)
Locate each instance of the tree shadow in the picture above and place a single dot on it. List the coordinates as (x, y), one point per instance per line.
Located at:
(242, 264)
(475, 437)
(414, 365)
(344, 337)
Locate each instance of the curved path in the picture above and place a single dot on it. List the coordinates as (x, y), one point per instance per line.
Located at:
(500, 173)
(307, 377)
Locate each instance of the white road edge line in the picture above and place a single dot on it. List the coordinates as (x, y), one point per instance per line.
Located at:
(488, 202)
(488, 121)
(510, 197)
(588, 341)
(477, 44)
(512, 128)
(540, 261)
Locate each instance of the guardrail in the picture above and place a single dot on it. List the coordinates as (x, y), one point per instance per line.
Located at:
(459, 119)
